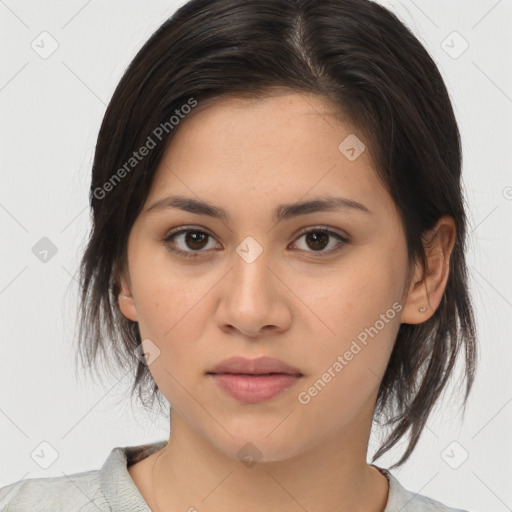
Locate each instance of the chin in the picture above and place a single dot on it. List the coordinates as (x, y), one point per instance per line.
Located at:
(251, 445)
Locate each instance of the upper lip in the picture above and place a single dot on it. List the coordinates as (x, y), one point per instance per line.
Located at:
(256, 366)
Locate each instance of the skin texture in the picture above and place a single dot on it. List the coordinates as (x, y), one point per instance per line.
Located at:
(295, 303)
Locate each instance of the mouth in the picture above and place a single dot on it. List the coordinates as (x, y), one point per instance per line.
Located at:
(260, 366)
(253, 381)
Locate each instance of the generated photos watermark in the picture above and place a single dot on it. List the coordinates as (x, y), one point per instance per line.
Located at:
(304, 397)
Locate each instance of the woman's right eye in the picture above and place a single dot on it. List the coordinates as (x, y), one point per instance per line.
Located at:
(194, 239)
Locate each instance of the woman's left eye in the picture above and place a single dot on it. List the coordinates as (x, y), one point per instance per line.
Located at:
(317, 239)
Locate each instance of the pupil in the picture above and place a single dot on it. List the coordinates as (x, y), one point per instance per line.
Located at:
(192, 238)
(315, 236)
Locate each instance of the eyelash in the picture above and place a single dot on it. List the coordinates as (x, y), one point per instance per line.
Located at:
(305, 231)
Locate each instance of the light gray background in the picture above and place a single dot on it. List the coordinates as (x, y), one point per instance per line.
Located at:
(51, 109)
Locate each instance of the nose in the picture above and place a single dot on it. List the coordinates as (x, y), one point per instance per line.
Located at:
(254, 301)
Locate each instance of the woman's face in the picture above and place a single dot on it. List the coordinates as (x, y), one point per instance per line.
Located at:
(252, 284)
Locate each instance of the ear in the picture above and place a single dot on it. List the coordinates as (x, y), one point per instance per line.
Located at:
(427, 287)
(125, 298)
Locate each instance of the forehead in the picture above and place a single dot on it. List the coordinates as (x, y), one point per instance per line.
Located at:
(289, 141)
(281, 108)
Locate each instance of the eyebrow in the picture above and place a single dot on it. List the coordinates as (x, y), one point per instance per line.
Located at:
(281, 212)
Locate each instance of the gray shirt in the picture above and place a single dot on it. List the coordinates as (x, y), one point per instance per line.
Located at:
(111, 489)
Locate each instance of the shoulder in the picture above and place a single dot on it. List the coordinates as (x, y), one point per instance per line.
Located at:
(79, 491)
(400, 499)
(107, 489)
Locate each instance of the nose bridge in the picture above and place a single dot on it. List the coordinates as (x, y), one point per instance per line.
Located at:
(251, 292)
(250, 250)
(250, 300)
(251, 273)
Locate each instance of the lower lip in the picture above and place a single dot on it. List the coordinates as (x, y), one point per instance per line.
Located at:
(254, 389)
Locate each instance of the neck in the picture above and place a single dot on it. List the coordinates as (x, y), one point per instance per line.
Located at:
(192, 474)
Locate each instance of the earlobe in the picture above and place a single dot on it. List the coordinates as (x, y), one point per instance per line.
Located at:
(125, 299)
(427, 286)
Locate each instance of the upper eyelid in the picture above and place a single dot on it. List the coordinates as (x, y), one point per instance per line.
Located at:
(302, 231)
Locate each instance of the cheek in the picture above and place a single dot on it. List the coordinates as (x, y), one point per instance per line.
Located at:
(171, 315)
(173, 311)
(353, 296)
(169, 297)
(347, 367)
(356, 316)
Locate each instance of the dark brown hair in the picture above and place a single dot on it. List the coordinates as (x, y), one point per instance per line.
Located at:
(376, 74)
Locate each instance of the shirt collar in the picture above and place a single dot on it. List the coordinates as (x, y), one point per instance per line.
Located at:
(116, 483)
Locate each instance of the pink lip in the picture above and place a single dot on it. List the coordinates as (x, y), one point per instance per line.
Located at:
(254, 380)
(254, 389)
(254, 366)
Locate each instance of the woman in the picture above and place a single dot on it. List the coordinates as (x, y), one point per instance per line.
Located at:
(278, 249)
